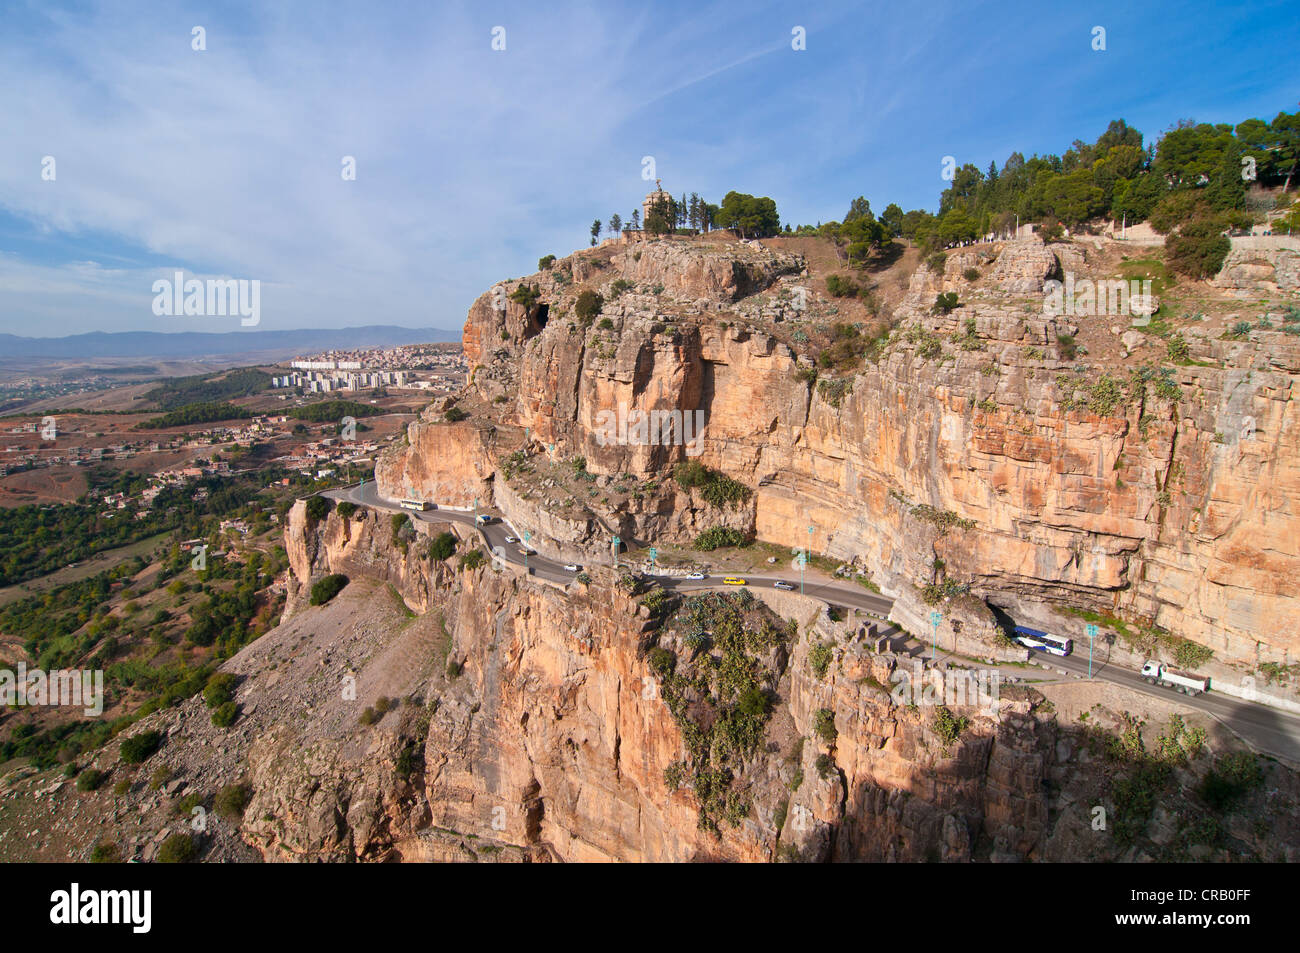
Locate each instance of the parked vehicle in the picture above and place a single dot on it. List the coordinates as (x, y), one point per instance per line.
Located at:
(735, 581)
(572, 567)
(1157, 673)
(696, 575)
(483, 519)
(782, 584)
(419, 505)
(512, 539)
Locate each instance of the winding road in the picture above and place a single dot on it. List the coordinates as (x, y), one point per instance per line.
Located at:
(1270, 730)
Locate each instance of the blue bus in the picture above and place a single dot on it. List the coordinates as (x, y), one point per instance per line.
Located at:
(1042, 641)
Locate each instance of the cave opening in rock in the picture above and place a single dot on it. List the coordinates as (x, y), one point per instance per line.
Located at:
(543, 314)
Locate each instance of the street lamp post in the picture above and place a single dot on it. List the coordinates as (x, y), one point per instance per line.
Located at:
(526, 537)
(653, 553)
(935, 619)
(1092, 634)
(614, 549)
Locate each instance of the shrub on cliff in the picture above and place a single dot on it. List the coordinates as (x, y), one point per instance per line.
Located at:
(178, 849)
(232, 800)
(323, 590)
(948, 726)
(90, 779)
(824, 725)
(588, 306)
(545, 262)
(443, 546)
(346, 509)
(1198, 248)
(223, 716)
(455, 415)
(318, 507)
(945, 303)
(719, 536)
(138, 748)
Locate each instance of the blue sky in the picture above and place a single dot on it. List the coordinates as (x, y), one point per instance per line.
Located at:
(472, 163)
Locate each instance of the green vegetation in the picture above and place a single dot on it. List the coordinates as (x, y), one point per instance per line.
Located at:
(105, 852)
(318, 507)
(588, 306)
(526, 295)
(1198, 248)
(443, 546)
(945, 302)
(232, 800)
(717, 490)
(208, 388)
(1234, 776)
(140, 748)
(455, 415)
(223, 716)
(332, 411)
(323, 590)
(178, 849)
(824, 725)
(472, 559)
(190, 414)
(751, 217)
(545, 262)
(717, 537)
(942, 520)
(819, 658)
(91, 779)
(346, 509)
(720, 702)
(947, 726)
(834, 391)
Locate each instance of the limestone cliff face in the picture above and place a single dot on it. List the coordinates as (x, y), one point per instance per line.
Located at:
(551, 737)
(1166, 501)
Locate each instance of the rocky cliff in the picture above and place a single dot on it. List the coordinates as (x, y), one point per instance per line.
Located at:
(1042, 461)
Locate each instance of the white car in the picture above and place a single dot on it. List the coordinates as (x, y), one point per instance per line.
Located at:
(782, 584)
(697, 575)
(512, 539)
(572, 567)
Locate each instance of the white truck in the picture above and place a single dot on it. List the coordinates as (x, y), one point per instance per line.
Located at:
(1157, 673)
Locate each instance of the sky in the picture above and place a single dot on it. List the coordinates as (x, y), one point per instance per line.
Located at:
(472, 162)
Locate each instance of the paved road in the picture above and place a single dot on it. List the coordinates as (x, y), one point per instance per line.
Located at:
(1269, 729)
(494, 533)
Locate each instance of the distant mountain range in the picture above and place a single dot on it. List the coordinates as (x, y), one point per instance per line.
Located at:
(199, 344)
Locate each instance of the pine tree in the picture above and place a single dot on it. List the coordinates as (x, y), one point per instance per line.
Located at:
(595, 230)
(615, 225)
(636, 219)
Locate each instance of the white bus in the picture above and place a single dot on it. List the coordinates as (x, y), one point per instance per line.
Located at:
(1043, 641)
(416, 505)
